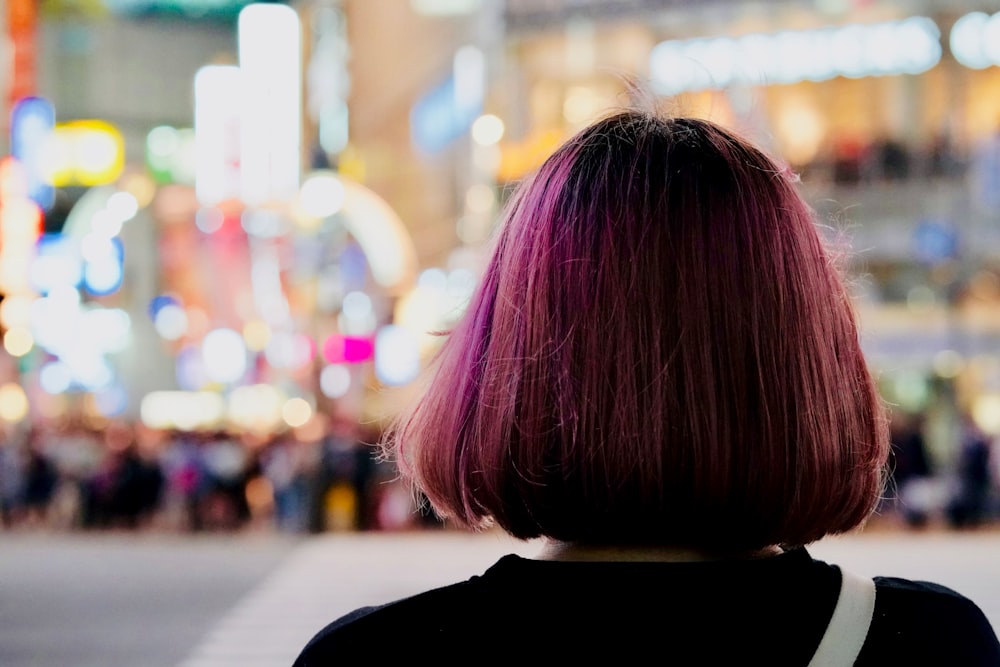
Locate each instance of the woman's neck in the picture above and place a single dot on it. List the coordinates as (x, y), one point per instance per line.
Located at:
(571, 551)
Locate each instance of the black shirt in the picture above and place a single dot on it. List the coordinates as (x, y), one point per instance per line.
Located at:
(771, 611)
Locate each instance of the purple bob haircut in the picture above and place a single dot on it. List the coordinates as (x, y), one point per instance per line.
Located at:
(661, 351)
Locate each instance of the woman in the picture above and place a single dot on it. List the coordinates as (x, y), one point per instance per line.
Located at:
(660, 374)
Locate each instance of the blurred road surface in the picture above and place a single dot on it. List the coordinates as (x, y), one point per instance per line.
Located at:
(254, 600)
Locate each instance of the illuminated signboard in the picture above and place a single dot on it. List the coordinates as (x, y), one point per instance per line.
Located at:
(909, 46)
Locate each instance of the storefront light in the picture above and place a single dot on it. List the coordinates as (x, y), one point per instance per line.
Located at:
(975, 40)
(13, 403)
(18, 341)
(909, 46)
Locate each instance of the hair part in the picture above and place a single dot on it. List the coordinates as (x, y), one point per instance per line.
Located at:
(661, 350)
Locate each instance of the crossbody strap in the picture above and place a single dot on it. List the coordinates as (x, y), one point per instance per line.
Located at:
(848, 627)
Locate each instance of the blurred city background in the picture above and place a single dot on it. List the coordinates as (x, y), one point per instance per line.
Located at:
(229, 231)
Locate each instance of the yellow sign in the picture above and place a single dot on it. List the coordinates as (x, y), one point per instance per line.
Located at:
(86, 152)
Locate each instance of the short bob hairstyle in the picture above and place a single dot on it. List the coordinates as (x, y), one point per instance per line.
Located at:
(661, 351)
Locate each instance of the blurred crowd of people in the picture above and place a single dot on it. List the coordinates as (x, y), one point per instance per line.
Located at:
(70, 476)
(959, 488)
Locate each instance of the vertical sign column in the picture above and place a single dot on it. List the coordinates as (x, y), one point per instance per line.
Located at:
(17, 57)
(270, 54)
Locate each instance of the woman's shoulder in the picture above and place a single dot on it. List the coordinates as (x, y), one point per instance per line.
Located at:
(928, 623)
(375, 630)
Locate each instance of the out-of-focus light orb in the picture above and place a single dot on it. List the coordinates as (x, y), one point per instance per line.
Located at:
(986, 412)
(159, 302)
(322, 195)
(163, 141)
(948, 363)
(335, 380)
(224, 355)
(104, 277)
(171, 322)
(122, 205)
(288, 350)
(15, 310)
(111, 401)
(480, 198)
(18, 341)
(209, 220)
(140, 186)
(55, 377)
(96, 150)
(966, 40)
(264, 223)
(433, 279)
(296, 412)
(348, 349)
(357, 305)
(257, 334)
(397, 355)
(487, 130)
(13, 403)
(96, 248)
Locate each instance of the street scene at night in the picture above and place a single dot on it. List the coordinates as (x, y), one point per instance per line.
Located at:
(236, 237)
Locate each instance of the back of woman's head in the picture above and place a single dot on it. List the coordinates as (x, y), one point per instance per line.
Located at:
(660, 351)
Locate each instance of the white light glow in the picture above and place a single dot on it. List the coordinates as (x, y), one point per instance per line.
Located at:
(255, 407)
(123, 206)
(397, 355)
(322, 195)
(18, 341)
(288, 350)
(335, 380)
(357, 306)
(445, 7)
(171, 322)
(975, 40)
(186, 410)
(224, 355)
(487, 130)
(217, 94)
(55, 266)
(55, 377)
(469, 66)
(382, 236)
(103, 277)
(105, 223)
(270, 135)
(209, 220)
(296, 412)
(106, 329)
(908, 46)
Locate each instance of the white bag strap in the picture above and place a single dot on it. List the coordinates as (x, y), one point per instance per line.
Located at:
(845, 635)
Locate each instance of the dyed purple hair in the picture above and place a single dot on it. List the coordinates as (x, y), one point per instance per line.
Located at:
(661, 352)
